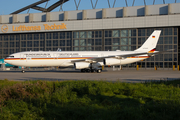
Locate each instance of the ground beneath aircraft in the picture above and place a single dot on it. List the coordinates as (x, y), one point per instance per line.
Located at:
(123, 75)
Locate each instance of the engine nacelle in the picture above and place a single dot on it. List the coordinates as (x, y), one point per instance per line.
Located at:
(112, 61)
(81, 65)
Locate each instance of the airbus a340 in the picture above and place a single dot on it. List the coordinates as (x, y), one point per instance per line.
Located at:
(88, 61)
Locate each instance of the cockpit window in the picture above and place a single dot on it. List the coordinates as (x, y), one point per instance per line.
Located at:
(11, 57)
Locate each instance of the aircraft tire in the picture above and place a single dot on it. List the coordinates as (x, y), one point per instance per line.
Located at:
(92, 70)
(83, 70)
(88, 70)
(99, 71)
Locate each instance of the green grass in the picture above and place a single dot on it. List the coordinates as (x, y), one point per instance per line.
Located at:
(89, 100)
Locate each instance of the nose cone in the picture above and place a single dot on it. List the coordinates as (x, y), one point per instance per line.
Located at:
(6, 60)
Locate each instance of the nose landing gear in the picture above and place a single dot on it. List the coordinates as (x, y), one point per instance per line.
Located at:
(98, 71)
(23, 71)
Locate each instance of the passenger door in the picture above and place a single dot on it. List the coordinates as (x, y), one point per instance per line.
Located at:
(22, 56)
(55, 56)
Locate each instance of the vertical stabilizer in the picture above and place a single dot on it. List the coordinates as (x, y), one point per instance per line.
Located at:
(151, 42)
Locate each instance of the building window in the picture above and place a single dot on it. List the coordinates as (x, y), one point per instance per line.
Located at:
(75, 34)
(83, 42)
(23, 36)
(42, 36)
(5, 44)
(5, 37)
(55, 42)
(108, 48)
(124, 33)
(114, 48)
(36, 36)
(11, 51)
(76, 42)
(0, 37)
(17, 44)
(48, 43)
(62, 35)
(29, 43)
(11, 44)
(48, 36)
(29, 36)
(90, 48)
(36, 49)
(115, 33)
(90, 34)
(36, 43)
(69, 43)
(41, 43)
(76, 48)
(108, 41)
(11, 37)
(17, 37)
(124, 41)
(124, 48)
(62, 42)
(68, 49)
(98, 34)
(99, 48)
(132, 33)
(5, 51)
(90, 42)
(116, 41)
(98, 41)
(141, 32)
(82, 49)
(108, 33)
(68, 35)
(83, 35)
(132, 41)
(55, 35)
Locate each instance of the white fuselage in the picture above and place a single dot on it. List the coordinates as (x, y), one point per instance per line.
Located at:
(65, 58)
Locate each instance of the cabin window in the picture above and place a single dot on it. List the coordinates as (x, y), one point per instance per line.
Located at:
(11, 57)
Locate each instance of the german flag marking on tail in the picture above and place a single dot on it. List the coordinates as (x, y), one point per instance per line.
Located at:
(153, 36)
(151, 51)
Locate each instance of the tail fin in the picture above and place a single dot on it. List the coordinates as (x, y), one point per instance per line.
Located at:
(151, 42)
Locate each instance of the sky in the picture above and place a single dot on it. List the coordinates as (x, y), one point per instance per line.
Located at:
(9, 6)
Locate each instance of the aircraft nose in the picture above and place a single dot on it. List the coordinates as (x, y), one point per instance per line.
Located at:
(5, 60)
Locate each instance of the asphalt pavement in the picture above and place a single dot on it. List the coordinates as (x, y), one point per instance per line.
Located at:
(122, 75)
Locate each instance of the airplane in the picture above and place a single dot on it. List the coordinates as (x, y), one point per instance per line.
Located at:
(86, 61)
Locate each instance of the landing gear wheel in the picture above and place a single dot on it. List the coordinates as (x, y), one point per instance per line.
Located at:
(82, 70)
(87, 70)
(92, 70)
(23, 71)
(99, 71)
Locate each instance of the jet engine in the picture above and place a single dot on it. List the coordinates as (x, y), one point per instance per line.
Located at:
(112, 61)
(82, 65)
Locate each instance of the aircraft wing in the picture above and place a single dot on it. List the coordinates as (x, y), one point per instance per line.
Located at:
(100, 59)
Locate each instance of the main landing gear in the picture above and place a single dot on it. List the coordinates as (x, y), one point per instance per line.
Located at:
(91, 70)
